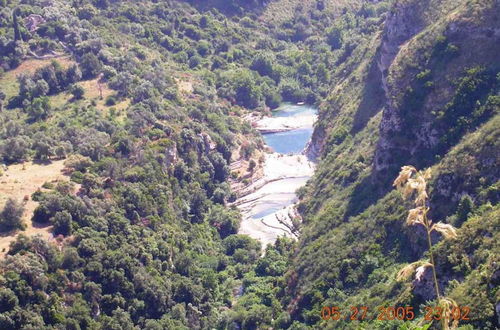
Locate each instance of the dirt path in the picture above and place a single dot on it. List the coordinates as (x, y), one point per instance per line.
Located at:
(22, 180)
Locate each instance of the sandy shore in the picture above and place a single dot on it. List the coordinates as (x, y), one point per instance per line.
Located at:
(269, 124)
(268, 204)
(270, 200)
(283, 124)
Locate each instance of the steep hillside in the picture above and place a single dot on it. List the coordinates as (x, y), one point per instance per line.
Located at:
(143, 104)
(425, 93)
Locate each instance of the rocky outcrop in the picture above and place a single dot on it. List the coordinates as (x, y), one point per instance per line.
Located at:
(33, 21)
(315, 145)
(401, 25)
(408, 48)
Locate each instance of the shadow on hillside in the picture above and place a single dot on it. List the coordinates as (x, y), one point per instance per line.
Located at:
(42, 161)
(7, 232)
(229, 8)
(367, 192)
(373, 97)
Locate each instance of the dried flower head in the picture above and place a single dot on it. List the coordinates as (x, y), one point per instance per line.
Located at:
(407, 271)
(427, 173)
(404, 175)
(447, 230)
(448, 305)
(420, 271)
(410, 181)
(415, 216)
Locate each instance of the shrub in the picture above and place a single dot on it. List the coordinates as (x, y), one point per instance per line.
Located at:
(91, 66)
(62, 223)
(11, 216)
(77, 91)
(110, 100)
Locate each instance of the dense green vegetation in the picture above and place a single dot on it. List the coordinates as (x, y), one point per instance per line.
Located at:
(148, 241)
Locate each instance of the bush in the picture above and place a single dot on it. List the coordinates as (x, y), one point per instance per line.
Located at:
(62, 223)
(15, 149)
(77, 91)
(11, 216)
(110, 100)
(194, 61)
(91, 66)
(334, 37)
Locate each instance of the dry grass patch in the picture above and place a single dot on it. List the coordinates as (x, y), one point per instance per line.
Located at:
(8, 82)
(20, 181)
(92, 93)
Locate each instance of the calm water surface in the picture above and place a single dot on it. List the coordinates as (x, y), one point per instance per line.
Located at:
(292, 141)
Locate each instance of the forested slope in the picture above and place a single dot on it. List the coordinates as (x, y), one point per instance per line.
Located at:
(143, 101)
(425, 93)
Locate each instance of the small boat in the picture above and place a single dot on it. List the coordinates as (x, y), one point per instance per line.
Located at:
(300, 103)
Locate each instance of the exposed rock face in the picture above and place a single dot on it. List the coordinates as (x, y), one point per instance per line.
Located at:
(401, 25)
(171, 156)
(407, 49)
(33, 21)
(315, 145)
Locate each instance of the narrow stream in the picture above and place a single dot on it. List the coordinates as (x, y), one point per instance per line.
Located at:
(267, 210)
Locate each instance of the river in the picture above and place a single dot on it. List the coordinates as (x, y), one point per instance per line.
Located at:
(267, 209)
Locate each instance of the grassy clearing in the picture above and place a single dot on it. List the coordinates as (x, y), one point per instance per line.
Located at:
(20, 181)
(8, 81)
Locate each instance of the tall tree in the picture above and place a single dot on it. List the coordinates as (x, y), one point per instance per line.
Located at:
(17, 31)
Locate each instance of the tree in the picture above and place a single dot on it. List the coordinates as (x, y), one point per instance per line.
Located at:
(194, 61)
(15, 149)
(248, 94)
(8, 300)
(103, 4)
(91, 66)
(73, 74)
(263, 63)
(465, 207)
(17, 32)
(322, 73)
(43, 146)
(334, 37)
(41, 88)
(11, 216)
(226, 221)
(2, 99)
(251, 165)
(77, 91)
(62, 223)
(39, 108)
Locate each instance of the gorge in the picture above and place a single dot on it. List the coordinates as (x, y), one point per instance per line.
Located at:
(268, 206)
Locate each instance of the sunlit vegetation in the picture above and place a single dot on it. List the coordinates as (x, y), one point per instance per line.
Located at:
(142, 102)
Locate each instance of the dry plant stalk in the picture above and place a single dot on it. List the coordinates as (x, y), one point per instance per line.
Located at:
(413, 185)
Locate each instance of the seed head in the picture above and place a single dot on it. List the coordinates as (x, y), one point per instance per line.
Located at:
(415, 216)
(404, 175)
(448, 305)
(420, 271)
(447, 230)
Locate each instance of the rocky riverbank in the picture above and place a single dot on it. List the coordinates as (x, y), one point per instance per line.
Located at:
(268, 204)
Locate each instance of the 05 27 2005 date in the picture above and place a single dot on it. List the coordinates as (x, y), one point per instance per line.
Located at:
(405, 313)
